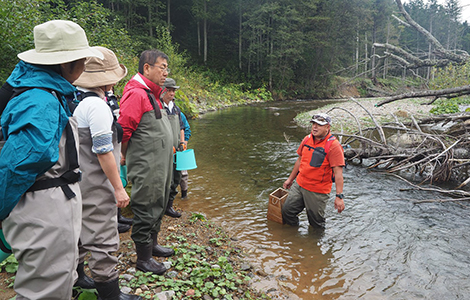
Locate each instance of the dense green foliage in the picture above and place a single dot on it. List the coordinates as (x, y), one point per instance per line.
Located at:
(221, 52)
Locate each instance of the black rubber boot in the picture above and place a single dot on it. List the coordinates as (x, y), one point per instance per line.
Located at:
(145, 261)
(110, 291)
(158, 250)
(170, 211)
(184, 194)
(83, 280)
(123, 227)
(122, 219)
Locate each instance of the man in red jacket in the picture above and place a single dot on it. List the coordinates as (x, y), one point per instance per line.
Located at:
(320, 157)
(147, 150)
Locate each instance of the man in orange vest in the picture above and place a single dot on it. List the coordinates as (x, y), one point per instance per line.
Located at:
(321, 159)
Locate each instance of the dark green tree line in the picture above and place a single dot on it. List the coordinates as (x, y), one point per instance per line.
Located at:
(291, 47)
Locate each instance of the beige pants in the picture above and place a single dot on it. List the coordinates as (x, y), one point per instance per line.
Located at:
(43, 231)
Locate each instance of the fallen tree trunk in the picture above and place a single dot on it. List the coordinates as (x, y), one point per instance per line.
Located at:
(450, 92)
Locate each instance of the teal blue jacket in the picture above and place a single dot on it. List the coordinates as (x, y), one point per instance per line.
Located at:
(32, 124)
(187, 129)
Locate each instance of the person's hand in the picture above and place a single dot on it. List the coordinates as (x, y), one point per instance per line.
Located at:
(123, 161)
(122, 198)
(182, 146)
(339, 204)
(287, 184)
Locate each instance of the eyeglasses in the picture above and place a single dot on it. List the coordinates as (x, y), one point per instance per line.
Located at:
(320, 118)
(164, 69)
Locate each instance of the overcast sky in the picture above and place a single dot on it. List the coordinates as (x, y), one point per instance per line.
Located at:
(465, 4)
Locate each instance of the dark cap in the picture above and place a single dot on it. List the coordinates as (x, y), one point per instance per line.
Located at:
(321, 119)
(170, 83)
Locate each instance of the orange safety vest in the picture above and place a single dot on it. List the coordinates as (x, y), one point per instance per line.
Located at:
(315, 172)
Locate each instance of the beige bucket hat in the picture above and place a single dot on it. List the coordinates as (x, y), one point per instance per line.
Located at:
(101, 72)
(57, 42)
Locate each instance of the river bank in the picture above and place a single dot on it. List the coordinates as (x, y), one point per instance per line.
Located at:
(345, 112)
(208, 264)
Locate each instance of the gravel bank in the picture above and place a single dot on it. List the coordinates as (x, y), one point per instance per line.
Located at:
(342, 112)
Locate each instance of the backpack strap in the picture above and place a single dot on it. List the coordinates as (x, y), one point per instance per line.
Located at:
(112, 104)
(328, 143)
(153, 102)
(70, 176)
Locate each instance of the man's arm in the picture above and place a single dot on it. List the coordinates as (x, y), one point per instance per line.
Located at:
(287, 184)
(123, 153)
(339, 182)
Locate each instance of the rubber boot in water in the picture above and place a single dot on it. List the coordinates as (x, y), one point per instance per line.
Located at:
(158, 250)
(122, 219)
(170, 211)
(145, 261)
(83, 280)
(110, 291)
(184, 194)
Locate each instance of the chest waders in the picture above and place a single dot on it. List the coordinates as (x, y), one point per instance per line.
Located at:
(99, 221)
(149, 162)
(43, 230)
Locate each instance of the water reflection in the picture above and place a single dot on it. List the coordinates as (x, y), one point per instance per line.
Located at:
(375, 249)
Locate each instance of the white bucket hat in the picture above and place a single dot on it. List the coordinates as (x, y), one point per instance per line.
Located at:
(101, 72)
(57, 42)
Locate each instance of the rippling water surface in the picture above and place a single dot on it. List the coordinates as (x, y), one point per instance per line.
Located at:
(378, 248)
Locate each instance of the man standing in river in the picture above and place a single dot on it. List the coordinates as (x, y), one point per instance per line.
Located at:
(321, 159)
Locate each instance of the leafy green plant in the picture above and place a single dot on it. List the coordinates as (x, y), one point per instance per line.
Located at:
(445, 107)
(197, 216)
(10, 265)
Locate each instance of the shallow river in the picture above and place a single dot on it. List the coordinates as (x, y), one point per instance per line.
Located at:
(375, 249)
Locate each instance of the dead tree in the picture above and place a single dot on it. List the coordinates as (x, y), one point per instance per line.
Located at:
(410, 61)
(410, 148)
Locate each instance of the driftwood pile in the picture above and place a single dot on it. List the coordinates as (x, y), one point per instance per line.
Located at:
(435, 149)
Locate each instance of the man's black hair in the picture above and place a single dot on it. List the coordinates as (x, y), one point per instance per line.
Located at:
(150, 57)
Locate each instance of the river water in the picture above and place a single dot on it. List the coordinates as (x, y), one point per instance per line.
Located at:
(379, 247)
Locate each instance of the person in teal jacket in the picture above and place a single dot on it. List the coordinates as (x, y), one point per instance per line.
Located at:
(40, 209)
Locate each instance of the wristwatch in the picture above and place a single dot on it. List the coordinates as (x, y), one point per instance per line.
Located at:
(340, 196)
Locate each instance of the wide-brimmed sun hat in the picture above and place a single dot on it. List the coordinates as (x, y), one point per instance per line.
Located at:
(101, 72)
(57, 42)
(321, 119)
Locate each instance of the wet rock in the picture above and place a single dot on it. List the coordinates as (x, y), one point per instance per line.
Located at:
(260, 272)
(172, 274)
(166, 295)
(127, 277)
(126, 290)
(167, 264)
(282, 278)
(207, 297)
(138, 291)
(215, 267)
(245, 267)
(133, 259)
